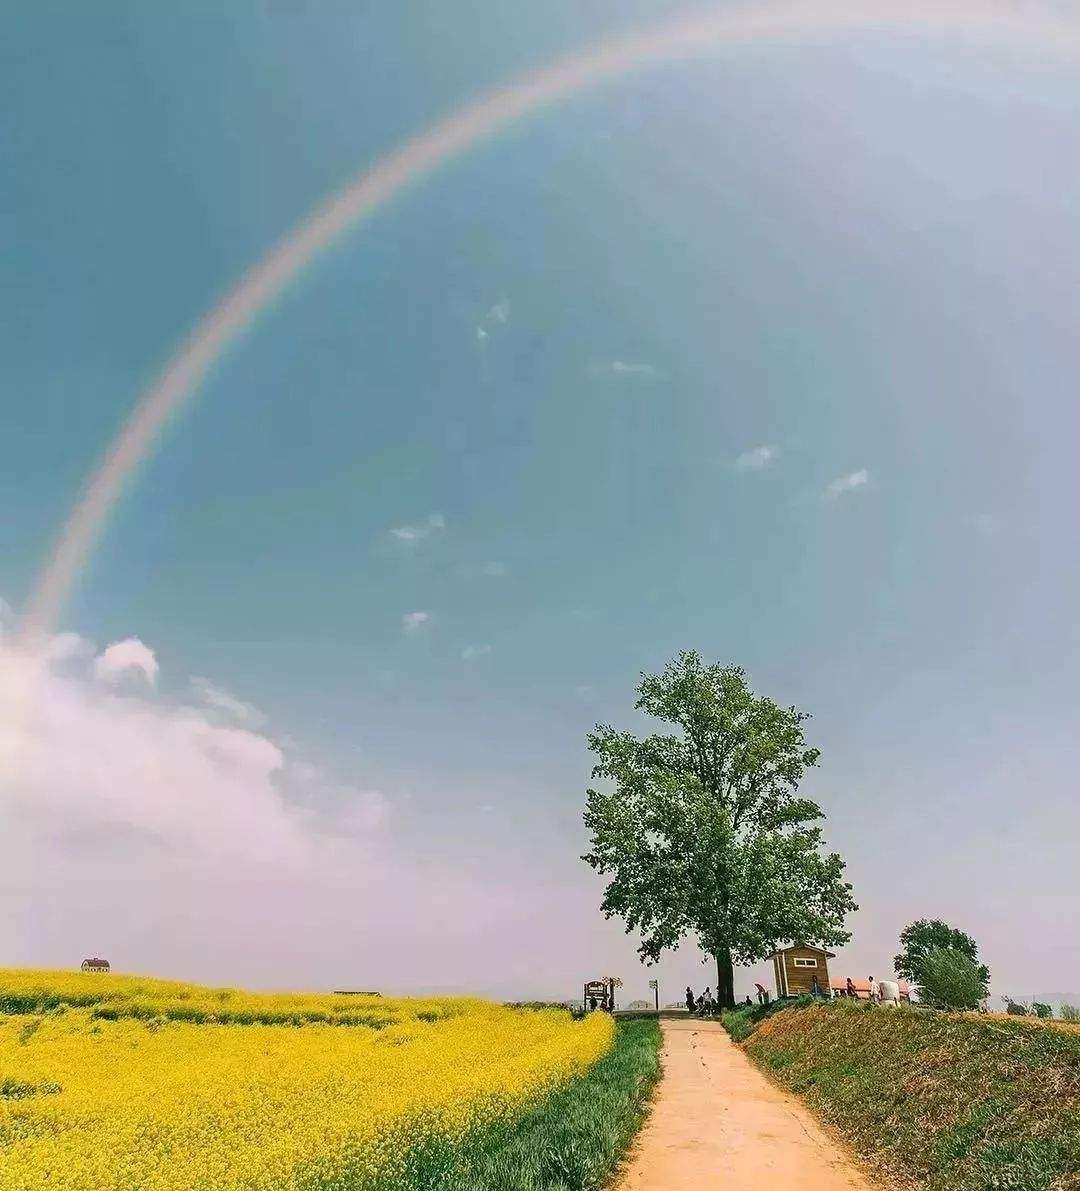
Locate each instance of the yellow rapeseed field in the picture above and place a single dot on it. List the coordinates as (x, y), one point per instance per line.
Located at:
(121, 1083)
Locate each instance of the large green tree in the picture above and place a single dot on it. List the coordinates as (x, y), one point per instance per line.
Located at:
(701, 830)
(918, 939)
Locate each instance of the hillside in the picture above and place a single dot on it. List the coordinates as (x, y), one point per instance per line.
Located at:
(951, 1102)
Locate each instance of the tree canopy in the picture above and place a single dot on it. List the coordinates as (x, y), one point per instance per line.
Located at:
(918, 939)
(701, 829)
(951, 979)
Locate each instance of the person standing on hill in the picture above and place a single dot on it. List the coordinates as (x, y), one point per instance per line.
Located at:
(762, 994)
(689, 999)
(873, 990)
(850, 989)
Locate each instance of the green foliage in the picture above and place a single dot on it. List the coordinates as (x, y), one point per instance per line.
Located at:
(1070, 1012)
(944, 1101)
(1016, 1008)
(739, 1023)
(919, 938)
(1041, 1010)
(18, 1089)
(950, 979)
(701, 831)
(573, 1140)
(742, 1022)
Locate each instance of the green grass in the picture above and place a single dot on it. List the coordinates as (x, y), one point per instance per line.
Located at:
(740, 1023)
(953, 1102)
(573, 1140)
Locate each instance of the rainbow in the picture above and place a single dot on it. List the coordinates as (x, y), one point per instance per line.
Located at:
(989, 20)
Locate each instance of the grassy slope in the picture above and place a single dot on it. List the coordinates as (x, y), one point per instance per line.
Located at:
(954, 1102)
(572, 1141)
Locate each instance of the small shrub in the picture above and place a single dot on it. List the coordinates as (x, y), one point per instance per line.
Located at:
(739, 1023)
(951, 980)
(1070, 1012)
(1041, 1010)
(1016, 1008)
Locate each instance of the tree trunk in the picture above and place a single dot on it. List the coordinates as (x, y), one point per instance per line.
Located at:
(725, 979)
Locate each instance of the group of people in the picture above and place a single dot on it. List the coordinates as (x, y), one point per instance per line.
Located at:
(884, 992)
(704, 1005)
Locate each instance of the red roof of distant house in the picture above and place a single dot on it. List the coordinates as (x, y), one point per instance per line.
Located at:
(862, 987)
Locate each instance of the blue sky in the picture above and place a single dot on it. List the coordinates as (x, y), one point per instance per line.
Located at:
(857, 258)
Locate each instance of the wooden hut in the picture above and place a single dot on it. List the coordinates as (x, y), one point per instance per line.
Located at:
(795, 969)
(95, 965)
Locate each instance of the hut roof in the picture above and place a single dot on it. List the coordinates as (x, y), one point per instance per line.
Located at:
(802, 947)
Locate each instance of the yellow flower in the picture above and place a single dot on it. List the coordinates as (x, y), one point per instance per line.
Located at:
(123, 1083)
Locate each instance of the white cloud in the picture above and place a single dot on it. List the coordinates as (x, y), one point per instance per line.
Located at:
(219, 699)
(126, 658)
(623, 368)
(413, 622)
(756, 459)
(66, 647)
(475, 651)
(498, 315)
(88, 765)
(419, 531)
(177, 845)
(844, 484)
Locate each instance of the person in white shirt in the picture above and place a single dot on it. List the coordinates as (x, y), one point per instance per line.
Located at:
(873, 990)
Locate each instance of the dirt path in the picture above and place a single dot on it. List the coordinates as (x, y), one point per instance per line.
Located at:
(718, 1123)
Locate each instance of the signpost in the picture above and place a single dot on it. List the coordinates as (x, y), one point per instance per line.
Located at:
(600, 994)
(595, 993)
(655, 986)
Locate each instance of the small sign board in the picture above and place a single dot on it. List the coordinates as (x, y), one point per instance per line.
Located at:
(595, 988)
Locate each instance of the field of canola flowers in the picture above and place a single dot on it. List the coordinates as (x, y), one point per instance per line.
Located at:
(122, 1083)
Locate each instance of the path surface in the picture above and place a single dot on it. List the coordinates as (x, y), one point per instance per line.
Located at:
(717, 1122)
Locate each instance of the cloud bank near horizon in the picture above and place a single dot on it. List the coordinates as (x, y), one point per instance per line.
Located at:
(170, 835)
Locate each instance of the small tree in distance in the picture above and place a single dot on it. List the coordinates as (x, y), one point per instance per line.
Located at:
(951, 979)
(919, 938)
(701, 830)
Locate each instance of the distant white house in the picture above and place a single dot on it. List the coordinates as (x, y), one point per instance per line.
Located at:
(95, 965)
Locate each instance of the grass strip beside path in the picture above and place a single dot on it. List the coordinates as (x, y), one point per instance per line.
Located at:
(573, 1140)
